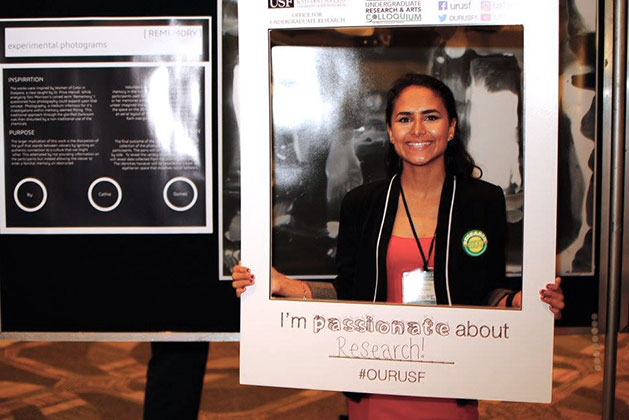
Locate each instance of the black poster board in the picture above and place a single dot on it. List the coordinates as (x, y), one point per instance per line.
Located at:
(120, 282)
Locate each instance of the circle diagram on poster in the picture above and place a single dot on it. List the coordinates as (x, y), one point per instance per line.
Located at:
(30, 194)
(180, 194)
(104, 194)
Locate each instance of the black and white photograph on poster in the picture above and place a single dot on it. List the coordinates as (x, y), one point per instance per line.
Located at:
(577, 177)
(337, 143)
(321, 116)
(106, 131)
(230, 141)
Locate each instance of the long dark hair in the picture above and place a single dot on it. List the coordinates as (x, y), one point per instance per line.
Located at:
(458, 162)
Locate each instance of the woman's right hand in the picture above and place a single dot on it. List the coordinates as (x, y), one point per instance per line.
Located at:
(241, 278)
(281, 285)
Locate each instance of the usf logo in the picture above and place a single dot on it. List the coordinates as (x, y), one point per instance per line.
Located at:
(281, 4)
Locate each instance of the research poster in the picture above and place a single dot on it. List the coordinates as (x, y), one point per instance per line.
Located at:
(315, 75)
(106, 126)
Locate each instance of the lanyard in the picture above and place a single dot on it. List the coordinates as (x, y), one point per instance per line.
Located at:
(419, 245)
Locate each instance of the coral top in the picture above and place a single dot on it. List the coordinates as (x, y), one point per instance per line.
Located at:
(403, 256)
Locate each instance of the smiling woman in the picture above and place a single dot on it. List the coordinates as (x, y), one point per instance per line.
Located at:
(420, 126)
(432, 196)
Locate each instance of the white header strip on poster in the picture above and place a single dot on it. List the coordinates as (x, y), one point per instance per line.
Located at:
(181, 40)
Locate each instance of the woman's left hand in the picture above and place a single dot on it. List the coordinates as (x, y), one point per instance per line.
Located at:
(553, 296)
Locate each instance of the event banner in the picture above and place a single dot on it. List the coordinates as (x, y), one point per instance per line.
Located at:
(106, 126)
(314, 77)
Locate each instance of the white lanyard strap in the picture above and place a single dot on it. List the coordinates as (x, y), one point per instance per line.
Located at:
(384, 214)
(447, 268)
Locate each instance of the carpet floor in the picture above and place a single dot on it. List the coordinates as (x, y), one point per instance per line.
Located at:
(105, 380)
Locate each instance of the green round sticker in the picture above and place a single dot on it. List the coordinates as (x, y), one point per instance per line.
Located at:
(475, 243)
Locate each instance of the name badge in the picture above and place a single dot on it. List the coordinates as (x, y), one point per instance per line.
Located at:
(418, 287)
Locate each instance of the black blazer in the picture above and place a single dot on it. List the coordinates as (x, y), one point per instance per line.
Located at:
(366, 226)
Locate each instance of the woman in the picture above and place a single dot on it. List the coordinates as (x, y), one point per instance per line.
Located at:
(431, 234)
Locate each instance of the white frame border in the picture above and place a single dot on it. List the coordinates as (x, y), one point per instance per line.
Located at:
(520, 368)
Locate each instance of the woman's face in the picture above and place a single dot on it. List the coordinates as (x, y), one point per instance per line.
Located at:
(419, 129)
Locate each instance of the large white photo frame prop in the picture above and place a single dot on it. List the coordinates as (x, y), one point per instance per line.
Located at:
(289, 343)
